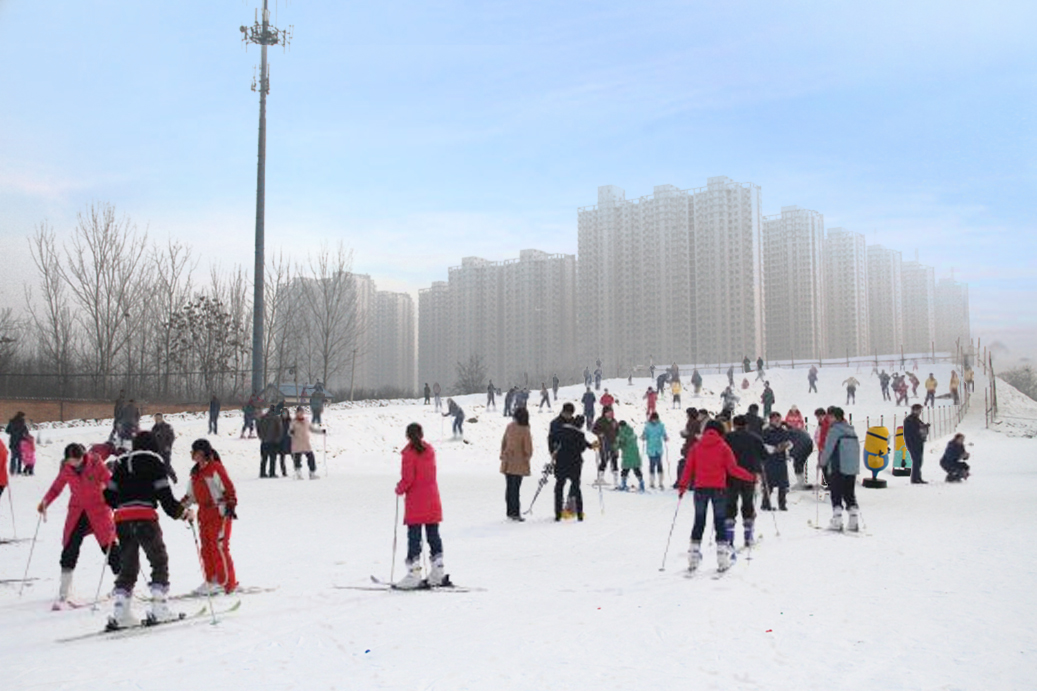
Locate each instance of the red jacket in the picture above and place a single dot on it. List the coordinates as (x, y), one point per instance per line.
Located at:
(795, 420)
(3, 465)
(607, 400)
(652, 398)
(211, 489)
(86, 485)
(822, 432)
(418, 482)
(710, 462)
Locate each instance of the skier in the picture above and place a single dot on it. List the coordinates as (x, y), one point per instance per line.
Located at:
(248, 414)
(696, 381)
(731, 376)
(606, 429)
(491, 399)
(746, 366)
(954, 458)
(164, 437)
(970, 379)
(422, 509)
(884, 384)
(214, 414)
(802, 447)
(651, 371)
(900, 388)
(317, 400)
(436, 391)
(824, 422)
(709, 465)
(675, 390)
(129, 420)
(270, 433)
(794, 418)
(428, 393)
(729, 400)
(516, 449)
(759, 368)
(626, 441)
(138, 485)
(690, 434)
(750, 454)
(915, 434)
(554, 385)
(299, 430)
(212, 490)
(17, 428)
(914, 384)
(651, 397)
(607, 399)
(453, 410)
(842, 460)
(586, 376)
(120, 401)
(654, 435)
(812, 379)
(86, 476)
(930, 390)
(597, 379)
(753, 421)
(767, 398)
(545, 398)
(568, 444)
(589, 399)
(776, 470)
(851, 385)
(955, 382)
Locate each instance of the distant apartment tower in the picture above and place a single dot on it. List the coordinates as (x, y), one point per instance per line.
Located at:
(671, 277)
(919, 307)
(436, 354)
(793, 284)
(953, 325)
(384, 355)
(885, 300)
(846, 292)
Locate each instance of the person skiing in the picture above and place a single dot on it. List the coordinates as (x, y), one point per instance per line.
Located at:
(212, 490)
(729, 400)
(709, 464)
(651, 370)
(491, 396)
(129, 420)
(914, 384)
(606, 429)
(955, 382)
(428, 394)
(626, 441)
(248, 416)
(759, 368)
(651, 397)
(17, 429)
(842, 460)
(164, 437)
(515, 451)
(589, 400)
(802, 447)
(214, 414)
(521, 399)
(794, 418)
(812, 379)
(776, 469)
(597, 379)
(4, 477)
(299, 430)
(753, 421)
(86, 476)
(693, 426)
(270, 433)
(731, 376)
(567, 442)
(654, 434)
(884, 385)
(509, 401)
(970, 379)
(824, 422)
(453, 410)
(607, 399)
(954, 457)
(586, 376)
(554, 385)
(120, 401)
(138, 485)
(900, 388)
(675, 391)
(436, 391)
(545, 397)
(851, 385)
(422, 509)
(915, 434)
(750, 454)
(930, 390)
(696, 381)
(767, 398)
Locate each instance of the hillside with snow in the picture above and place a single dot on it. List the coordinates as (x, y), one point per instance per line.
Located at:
(936, 594)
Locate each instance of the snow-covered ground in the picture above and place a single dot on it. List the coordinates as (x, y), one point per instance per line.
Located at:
(938, 595)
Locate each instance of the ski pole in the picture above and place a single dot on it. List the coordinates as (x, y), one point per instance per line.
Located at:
(325, 435)
(548, 467)
(10, 500)
(767, 487)
(817, 496)
(32, 548)
(100, 579)
(395, 530)
(201, 563)
(670, 536)
(669, 471)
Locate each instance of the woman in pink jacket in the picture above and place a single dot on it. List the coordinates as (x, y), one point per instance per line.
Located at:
(421, 509)
(86, 476)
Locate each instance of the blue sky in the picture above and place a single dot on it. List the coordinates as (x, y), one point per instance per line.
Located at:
(421, 132)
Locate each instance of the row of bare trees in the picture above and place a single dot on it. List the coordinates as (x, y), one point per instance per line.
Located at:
(114, 311)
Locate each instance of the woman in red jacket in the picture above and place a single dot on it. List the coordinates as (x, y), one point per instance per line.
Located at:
(86, 476)
(422, 509)
(710, 462)
(213, 491)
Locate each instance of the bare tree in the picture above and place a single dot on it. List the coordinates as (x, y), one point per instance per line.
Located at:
(471, 376)
(282, 319)
(103, 271)
(329, 297)
(52, 320)
(173, 268)
(10, 337)
(235, 293)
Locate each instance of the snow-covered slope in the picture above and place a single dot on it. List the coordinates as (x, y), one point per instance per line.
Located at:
(938, 595)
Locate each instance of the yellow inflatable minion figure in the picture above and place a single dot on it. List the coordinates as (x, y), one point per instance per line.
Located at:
(876, 456)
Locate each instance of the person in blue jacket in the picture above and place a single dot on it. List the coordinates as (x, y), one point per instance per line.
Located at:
(654, 435)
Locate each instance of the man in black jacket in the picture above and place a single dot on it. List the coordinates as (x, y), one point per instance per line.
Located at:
(270, 432)
(915, 433)
(164, 437)
(750, 454)
(776, 468)
(567, 441)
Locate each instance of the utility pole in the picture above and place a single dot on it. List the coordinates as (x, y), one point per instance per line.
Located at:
(262, 34)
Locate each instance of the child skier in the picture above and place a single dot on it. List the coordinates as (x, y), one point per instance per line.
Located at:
(27, 447)
(212, 490)
(627, 441)
(300, 432)
(422, 509)
(651, 396)
(710, 462)
(86, 476)
(675, 389)
(654, 435)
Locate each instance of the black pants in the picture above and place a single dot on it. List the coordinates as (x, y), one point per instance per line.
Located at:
(212, 424)
(573, 477)
(676, 400)
(917, 454)
(843, 489)
(607, 455)
(268, 453)
(511, 494)
(310, 460)
(741, 491)
(16, 458)
(282, 454)
(133, 537)
(637, 472)
(70, 553)
(851, 394)
(885, 393)
(435, 545)
(703, 498)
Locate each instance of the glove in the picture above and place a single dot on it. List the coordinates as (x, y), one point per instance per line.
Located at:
(172, 476)
(42, 509)
(230, 511)
(681, 491)
(188, 515)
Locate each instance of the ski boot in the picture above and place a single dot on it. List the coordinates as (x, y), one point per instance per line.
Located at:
(837, 519)
(413, 578)
(729, 530)
(436, 575)
(615, 478)
(725, 556)
(694, 555)
(600, 480)
(206, 589)
(641, 486)
(852, 524)
(63, 590)
(801, 481)
(782, 494)
(651, 481)
(159, 611)
(622, 486)
(122, 612)
(747, 530)
(298, 473)
(314, 476)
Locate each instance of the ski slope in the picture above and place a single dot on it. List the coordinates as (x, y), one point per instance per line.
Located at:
(939, 595)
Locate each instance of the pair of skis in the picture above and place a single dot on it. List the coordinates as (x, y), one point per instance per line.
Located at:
(145, 625)
(380, 585)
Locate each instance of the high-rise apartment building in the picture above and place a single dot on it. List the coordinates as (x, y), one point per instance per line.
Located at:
(885, 300)
(392, 342)
(919, 307)
(846, 293)
(436, 332)
(953, 325)
(793, 284)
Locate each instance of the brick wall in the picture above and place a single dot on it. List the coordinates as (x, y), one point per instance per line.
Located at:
(46, 410)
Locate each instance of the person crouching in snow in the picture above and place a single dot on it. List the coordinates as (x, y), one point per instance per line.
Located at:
(627, 440)
(422, 509)
(138, 485)
(300, 432)
(86, 476)
(212, 490)
(954, 458)
(710, 462)
(654, 435)
(842, 460)
(453, 410)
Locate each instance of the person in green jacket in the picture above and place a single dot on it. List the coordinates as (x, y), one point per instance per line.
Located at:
(626, 439)
(767, 399)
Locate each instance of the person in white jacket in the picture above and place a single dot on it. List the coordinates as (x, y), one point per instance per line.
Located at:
(300, 432)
